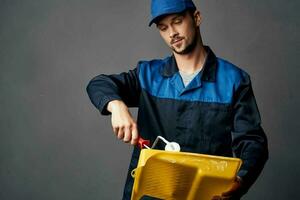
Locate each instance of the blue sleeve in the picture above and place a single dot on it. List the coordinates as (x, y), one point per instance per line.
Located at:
(249, 141)
(104, 88)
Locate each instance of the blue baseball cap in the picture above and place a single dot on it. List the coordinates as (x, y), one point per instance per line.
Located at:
(165, 7)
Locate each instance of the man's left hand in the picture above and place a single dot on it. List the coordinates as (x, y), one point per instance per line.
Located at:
(233, 193)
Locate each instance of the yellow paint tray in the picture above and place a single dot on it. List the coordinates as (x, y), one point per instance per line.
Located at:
(182, 176)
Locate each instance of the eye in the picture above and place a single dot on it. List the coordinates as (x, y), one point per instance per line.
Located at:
(162, 28)
(178, 21)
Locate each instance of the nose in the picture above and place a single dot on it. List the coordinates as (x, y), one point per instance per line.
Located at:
(173, 32)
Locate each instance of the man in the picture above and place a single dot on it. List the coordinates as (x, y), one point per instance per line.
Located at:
(202, 102)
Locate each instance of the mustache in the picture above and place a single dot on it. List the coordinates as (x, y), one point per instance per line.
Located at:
(175, 39)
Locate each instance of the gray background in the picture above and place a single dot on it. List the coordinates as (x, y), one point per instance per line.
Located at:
(55, 145)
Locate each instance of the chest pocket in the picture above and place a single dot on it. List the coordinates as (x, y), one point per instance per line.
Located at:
(205, 128)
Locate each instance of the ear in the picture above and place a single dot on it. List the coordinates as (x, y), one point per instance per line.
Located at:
(197, 17)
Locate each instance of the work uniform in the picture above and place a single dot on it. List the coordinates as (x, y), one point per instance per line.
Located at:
(216, 113)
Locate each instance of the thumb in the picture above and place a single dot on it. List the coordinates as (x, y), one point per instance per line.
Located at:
(134, 135)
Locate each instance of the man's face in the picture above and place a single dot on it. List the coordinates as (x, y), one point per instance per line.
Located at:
(180, 31)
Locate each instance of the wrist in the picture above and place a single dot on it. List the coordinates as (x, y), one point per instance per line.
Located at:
(114, 104)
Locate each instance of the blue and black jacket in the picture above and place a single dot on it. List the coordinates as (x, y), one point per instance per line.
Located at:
(215, 114)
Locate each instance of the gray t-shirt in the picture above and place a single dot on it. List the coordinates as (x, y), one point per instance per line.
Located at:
(187, 78)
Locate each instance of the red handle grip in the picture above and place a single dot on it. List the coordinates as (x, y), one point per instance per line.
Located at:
(142, 142)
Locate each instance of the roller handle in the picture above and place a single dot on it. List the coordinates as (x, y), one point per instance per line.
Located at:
(142, 143)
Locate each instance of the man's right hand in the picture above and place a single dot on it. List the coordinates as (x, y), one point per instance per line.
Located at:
(124, 126)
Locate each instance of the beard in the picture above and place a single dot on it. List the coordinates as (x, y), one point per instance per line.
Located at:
(189, 48)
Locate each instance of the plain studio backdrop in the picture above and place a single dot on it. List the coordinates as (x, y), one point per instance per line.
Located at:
(54, 145)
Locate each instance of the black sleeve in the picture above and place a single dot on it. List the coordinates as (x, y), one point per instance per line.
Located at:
(249, 140)
(105, 88)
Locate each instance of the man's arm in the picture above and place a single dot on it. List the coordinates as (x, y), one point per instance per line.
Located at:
(249, 141)
(112, 94)
(105, 88)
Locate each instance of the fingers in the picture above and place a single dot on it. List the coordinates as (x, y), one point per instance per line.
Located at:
(233, 190)
(120, 134)
(116, 130)
(220, 198)
(134, 135)
(232, 193)
(227, 194)
(216, 198)
(127, 133)
(124, 126)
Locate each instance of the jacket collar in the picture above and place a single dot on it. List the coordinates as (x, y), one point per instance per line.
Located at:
(209, 68)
